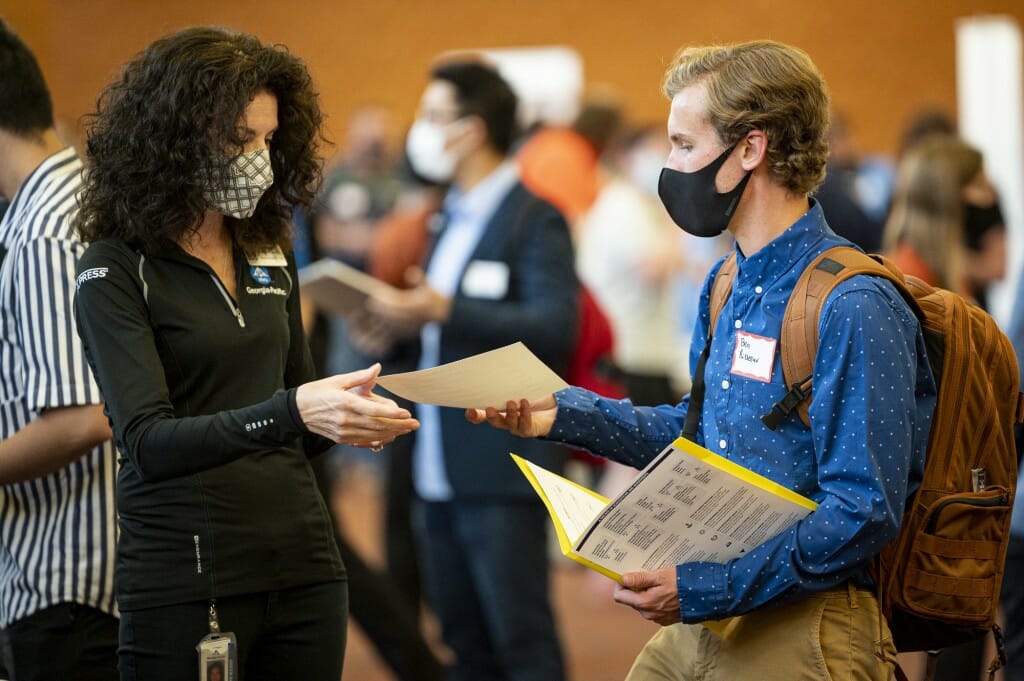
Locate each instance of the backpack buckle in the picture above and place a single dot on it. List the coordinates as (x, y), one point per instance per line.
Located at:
(798, 392)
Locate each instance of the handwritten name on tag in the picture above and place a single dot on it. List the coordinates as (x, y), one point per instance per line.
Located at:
(754, 356)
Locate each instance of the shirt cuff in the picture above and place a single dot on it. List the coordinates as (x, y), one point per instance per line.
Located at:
(42, 396)
(703, 591)
(575, 409)
(292, 409)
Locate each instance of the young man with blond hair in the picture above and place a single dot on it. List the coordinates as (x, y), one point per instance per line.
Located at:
(747, 125)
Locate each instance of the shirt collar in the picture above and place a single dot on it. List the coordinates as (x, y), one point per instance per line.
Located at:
(65, 156)
(780, 254)
(480, 201)
(38, 179)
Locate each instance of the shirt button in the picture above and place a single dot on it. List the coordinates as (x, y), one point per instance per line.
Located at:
(739, 324)
(721, 444)
(725, 385)
(758, 289)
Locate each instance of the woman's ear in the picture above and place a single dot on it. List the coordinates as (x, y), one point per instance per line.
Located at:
(755, 150)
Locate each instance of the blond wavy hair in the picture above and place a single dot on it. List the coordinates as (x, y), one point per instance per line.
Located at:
(768, 86)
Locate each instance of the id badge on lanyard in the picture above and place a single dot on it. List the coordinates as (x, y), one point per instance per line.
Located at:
(218, 652)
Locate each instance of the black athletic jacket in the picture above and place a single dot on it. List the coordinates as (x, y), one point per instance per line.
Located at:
(215, 494)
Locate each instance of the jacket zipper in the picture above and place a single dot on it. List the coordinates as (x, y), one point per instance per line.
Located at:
(227, 299)
(933, 518)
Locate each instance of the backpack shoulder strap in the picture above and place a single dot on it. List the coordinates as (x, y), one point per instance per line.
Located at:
(799, 341)
(721, 289)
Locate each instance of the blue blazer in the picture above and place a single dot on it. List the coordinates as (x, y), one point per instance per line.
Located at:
(538, 307)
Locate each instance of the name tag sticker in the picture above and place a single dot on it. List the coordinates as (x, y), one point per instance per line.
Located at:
(271, 257)
(754, 356)
(486, 279)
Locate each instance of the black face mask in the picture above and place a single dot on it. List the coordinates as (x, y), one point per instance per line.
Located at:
(693, 202)
(978, 220)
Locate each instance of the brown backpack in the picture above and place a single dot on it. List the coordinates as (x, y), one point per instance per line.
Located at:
(938, 581)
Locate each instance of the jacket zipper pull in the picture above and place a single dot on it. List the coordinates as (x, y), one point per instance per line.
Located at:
(235, 309)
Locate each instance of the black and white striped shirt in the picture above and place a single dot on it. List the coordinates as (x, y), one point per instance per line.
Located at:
(58, 532)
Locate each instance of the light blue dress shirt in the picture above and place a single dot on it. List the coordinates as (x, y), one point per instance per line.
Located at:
(468, 215)
(870, 418)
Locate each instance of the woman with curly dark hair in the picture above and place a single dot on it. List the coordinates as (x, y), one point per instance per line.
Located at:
(188, 306)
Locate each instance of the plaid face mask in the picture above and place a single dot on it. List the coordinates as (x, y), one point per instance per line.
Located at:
(246, 178)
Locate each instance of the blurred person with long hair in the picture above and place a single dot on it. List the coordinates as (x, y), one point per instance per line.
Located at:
(984, 228)
(924, 232)
(188, 304)
(941, 195)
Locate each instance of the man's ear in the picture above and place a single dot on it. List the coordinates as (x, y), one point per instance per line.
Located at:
(755, 150)
(470, 133)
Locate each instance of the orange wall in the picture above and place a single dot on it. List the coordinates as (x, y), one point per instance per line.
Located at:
(882, 59)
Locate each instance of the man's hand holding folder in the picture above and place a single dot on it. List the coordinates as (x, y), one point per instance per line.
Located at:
(653, 594)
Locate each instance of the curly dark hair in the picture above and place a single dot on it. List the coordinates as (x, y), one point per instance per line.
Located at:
(164, 129)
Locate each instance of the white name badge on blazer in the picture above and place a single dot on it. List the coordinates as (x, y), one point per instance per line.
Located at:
(485, 279)
(271, 257)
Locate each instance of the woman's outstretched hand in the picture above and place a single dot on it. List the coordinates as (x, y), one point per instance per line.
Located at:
(345, 410)
(523, 418)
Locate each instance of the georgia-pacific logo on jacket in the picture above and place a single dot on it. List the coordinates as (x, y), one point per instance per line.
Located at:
(260, 275)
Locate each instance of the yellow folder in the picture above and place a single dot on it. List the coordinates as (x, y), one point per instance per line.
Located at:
(688, 504)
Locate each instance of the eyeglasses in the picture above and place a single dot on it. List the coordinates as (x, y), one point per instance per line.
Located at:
(439, 116)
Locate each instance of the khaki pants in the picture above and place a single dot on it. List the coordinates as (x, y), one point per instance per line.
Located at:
(827, 636)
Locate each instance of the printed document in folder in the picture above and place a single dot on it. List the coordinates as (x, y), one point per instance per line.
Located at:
(687, 505)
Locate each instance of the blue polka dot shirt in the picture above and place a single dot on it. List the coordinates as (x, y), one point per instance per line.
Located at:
(863, 454)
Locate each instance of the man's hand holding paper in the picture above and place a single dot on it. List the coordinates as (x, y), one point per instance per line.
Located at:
(523, 418)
